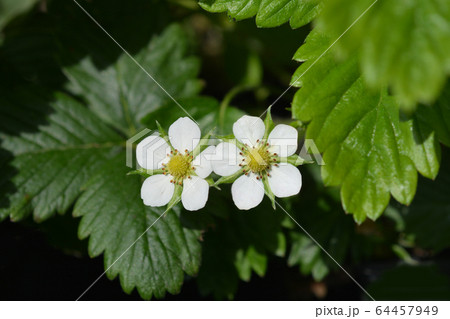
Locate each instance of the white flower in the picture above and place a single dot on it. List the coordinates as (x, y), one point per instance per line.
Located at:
(178, 166)
(259, 160)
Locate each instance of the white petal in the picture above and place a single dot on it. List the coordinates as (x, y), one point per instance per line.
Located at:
(202, 163)
(285, 180)
(283, 140)
(247, 191)
(151, 152)
(195, 193)
(157, 190)
(184, 134)
(249, 129)
(226, 159)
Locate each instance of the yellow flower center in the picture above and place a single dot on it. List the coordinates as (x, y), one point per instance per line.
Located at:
(258, 159)
(179, 166)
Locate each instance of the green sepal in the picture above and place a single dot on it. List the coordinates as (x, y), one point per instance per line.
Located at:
(296, 160)
(269, 192)
(176, 196)
(204, 141)
(225, 137)
(268, 123)
(162, 132)
(164, 135)
(297, 124)
(211, 183)
(228, 179)
(145, 172)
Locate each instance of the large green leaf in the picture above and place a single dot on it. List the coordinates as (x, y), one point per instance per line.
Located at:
(123, 93)
(56, 145)
(368, 148)
(269, 13)
(76, 152)
(114, 217)
(58, 153)
(404, 43)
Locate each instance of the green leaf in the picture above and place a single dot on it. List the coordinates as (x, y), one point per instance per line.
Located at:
(58, 153)
(123, 93)
(368, 149)
(424, 282)
(248, 260)
(56, 144)
(114, 217)
(405, 43)
(269, 13)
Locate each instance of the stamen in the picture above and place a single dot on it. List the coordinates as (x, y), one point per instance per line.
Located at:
(257, 158)
(179, 166)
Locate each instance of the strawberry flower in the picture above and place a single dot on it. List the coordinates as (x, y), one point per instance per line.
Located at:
(259, 161)
(176, 166)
